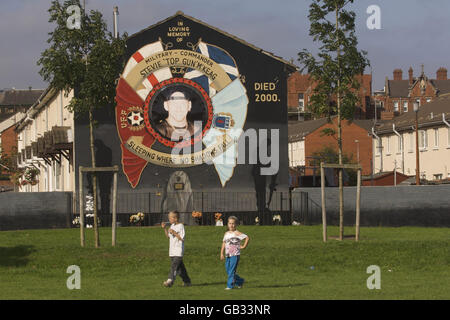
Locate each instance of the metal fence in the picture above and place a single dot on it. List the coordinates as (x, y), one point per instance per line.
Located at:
(247, 206)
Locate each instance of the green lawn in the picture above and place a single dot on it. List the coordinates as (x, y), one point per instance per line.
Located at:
(279, 263)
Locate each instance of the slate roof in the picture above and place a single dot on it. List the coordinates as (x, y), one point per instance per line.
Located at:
(299, 130)
(12, 120)
(398, 88)
(15, 97)
(443, 86)
(429, 114)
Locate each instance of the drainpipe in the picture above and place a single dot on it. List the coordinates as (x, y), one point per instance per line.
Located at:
(380, 150)
(445, 121)
(401, 140)
(448, 125)
(62, 182)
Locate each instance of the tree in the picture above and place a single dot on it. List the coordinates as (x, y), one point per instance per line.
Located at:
(87, 60)
(335, 70)
(329, 154)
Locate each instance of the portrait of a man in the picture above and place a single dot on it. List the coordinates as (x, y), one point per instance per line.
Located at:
(177, 126)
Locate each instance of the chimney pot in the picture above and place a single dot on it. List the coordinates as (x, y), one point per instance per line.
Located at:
(398, 74)
(441, 74)
(411, 75)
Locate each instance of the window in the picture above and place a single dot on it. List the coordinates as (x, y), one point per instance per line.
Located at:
(379, 104)
(388, 145)
(418, 101)
(301, 102)
(411, 142)
(395, 106)
(437, 176)
(399, 144)
(405, 106)
(57, 174)
(423, 140)
(436, 138)
(448, 137)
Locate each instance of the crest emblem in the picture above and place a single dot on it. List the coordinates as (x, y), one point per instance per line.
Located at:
(205, 106)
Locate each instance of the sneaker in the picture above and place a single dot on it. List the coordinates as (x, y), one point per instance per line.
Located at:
(241, 285)
(168, 283)
(186, 284)
(227, 288)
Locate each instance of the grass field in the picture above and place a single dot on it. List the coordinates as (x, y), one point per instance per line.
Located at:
(279, 263)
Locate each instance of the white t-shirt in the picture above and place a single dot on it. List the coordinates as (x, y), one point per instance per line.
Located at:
(176, 247)
(233, 243)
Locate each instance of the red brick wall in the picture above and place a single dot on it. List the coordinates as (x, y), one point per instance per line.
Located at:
(350, 132)
(388, 112)
(8, 144)
(9, 141)
(417, 93)
(301, 83)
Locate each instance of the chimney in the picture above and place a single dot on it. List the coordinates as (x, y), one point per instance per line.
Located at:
(441, 74)
(411, 78)
(398, 74)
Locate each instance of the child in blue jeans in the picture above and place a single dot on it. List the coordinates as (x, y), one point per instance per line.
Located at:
(232, 246)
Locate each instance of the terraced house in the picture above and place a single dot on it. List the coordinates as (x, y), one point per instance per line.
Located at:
(45, 144)
(395, 142)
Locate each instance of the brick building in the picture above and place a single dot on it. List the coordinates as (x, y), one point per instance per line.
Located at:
(13, 104)
(399, 94)
(301, 87)
(307, 138)
(8, 148)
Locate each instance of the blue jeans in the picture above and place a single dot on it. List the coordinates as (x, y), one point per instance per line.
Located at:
(231, 264)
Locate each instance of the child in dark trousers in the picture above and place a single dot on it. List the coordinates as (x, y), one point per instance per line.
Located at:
(232, 246)
(176, 250)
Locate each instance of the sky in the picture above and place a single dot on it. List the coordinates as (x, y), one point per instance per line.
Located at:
(413, 32)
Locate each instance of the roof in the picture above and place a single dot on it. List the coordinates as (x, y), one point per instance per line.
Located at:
(298, 131)
(443, 86)
(380, 175)
(181, 13)
(429, 114)
(12, 120)
(41, 102)
(365, 124)
(15, 97)
(398, 88)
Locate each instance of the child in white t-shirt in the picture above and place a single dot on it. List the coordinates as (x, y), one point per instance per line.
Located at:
(231, 245)
(176, 234)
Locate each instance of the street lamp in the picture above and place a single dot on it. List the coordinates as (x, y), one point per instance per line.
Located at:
(416, 110)
(357, 149)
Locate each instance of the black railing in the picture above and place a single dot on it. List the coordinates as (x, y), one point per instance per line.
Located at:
(247, 206)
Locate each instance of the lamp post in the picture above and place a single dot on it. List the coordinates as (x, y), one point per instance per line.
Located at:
(357, 149)
(416, 110)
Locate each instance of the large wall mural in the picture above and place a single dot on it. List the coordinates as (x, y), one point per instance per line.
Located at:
(197, 109)
(188, 117)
